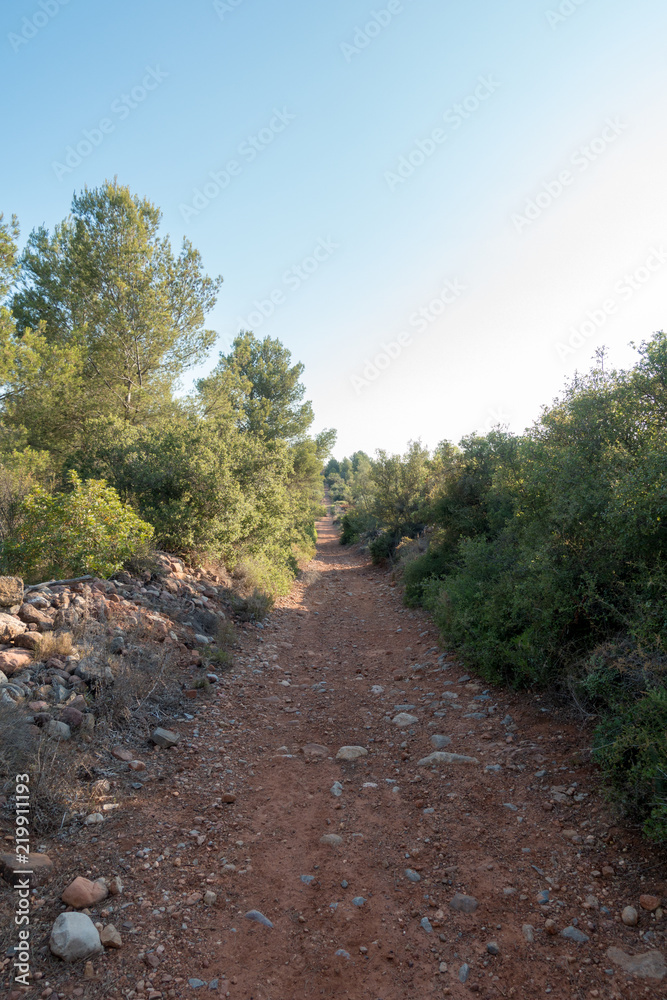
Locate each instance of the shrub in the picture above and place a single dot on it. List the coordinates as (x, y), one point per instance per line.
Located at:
(86, 530)
(425, 569)
(382, 547)
(631, 748)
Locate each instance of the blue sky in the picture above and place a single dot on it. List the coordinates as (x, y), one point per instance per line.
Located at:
(441, 208)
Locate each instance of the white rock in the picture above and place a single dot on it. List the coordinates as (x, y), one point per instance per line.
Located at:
(74, 936)
(58, 730)
(351, 753)
(404, 719)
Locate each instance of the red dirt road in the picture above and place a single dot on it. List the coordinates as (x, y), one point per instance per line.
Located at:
(533, 824)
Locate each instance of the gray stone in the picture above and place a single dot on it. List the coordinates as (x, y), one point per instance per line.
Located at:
(442, 757)
(650, 965)
(307, 879)
(404, 708)
(574, 934)
(351, 753)
(630, 917)
(404, 719)
(332, 839)
(464, 904)
(58, 730)
(341, 953)
(492, 948)
(412, 876)
(258, 918)
(493, 768)
(164, 738)
(196, 983)
(97, 674)
(337, 789)
(440, 742)
(74, 936)
(464, 972)
(358, 900)
(528, 933)
(117, 645)
(425, 924)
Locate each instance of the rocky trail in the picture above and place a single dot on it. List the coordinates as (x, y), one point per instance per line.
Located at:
(348, 814)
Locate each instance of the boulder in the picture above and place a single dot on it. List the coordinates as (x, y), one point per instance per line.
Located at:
(31, 615)
(82, 892)
(29, 640)
(11, 591)
(74, 936)
(14, 660)
(10, 627)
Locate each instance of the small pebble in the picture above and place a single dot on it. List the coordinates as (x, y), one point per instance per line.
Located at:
(258, 917)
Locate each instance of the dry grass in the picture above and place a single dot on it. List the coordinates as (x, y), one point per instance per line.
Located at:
(18, 745)
(53, 644)
(227, 641)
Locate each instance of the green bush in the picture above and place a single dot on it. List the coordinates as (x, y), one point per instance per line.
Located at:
(631, 748)
(425, 570)
(383, 546)
(85, 530)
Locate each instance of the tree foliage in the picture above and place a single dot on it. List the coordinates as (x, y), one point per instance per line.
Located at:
(100, 320)
(546, 562)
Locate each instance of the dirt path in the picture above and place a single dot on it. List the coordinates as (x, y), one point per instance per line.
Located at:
(370, 916)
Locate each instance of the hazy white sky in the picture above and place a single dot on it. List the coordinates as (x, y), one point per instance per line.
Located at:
(451, 204)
